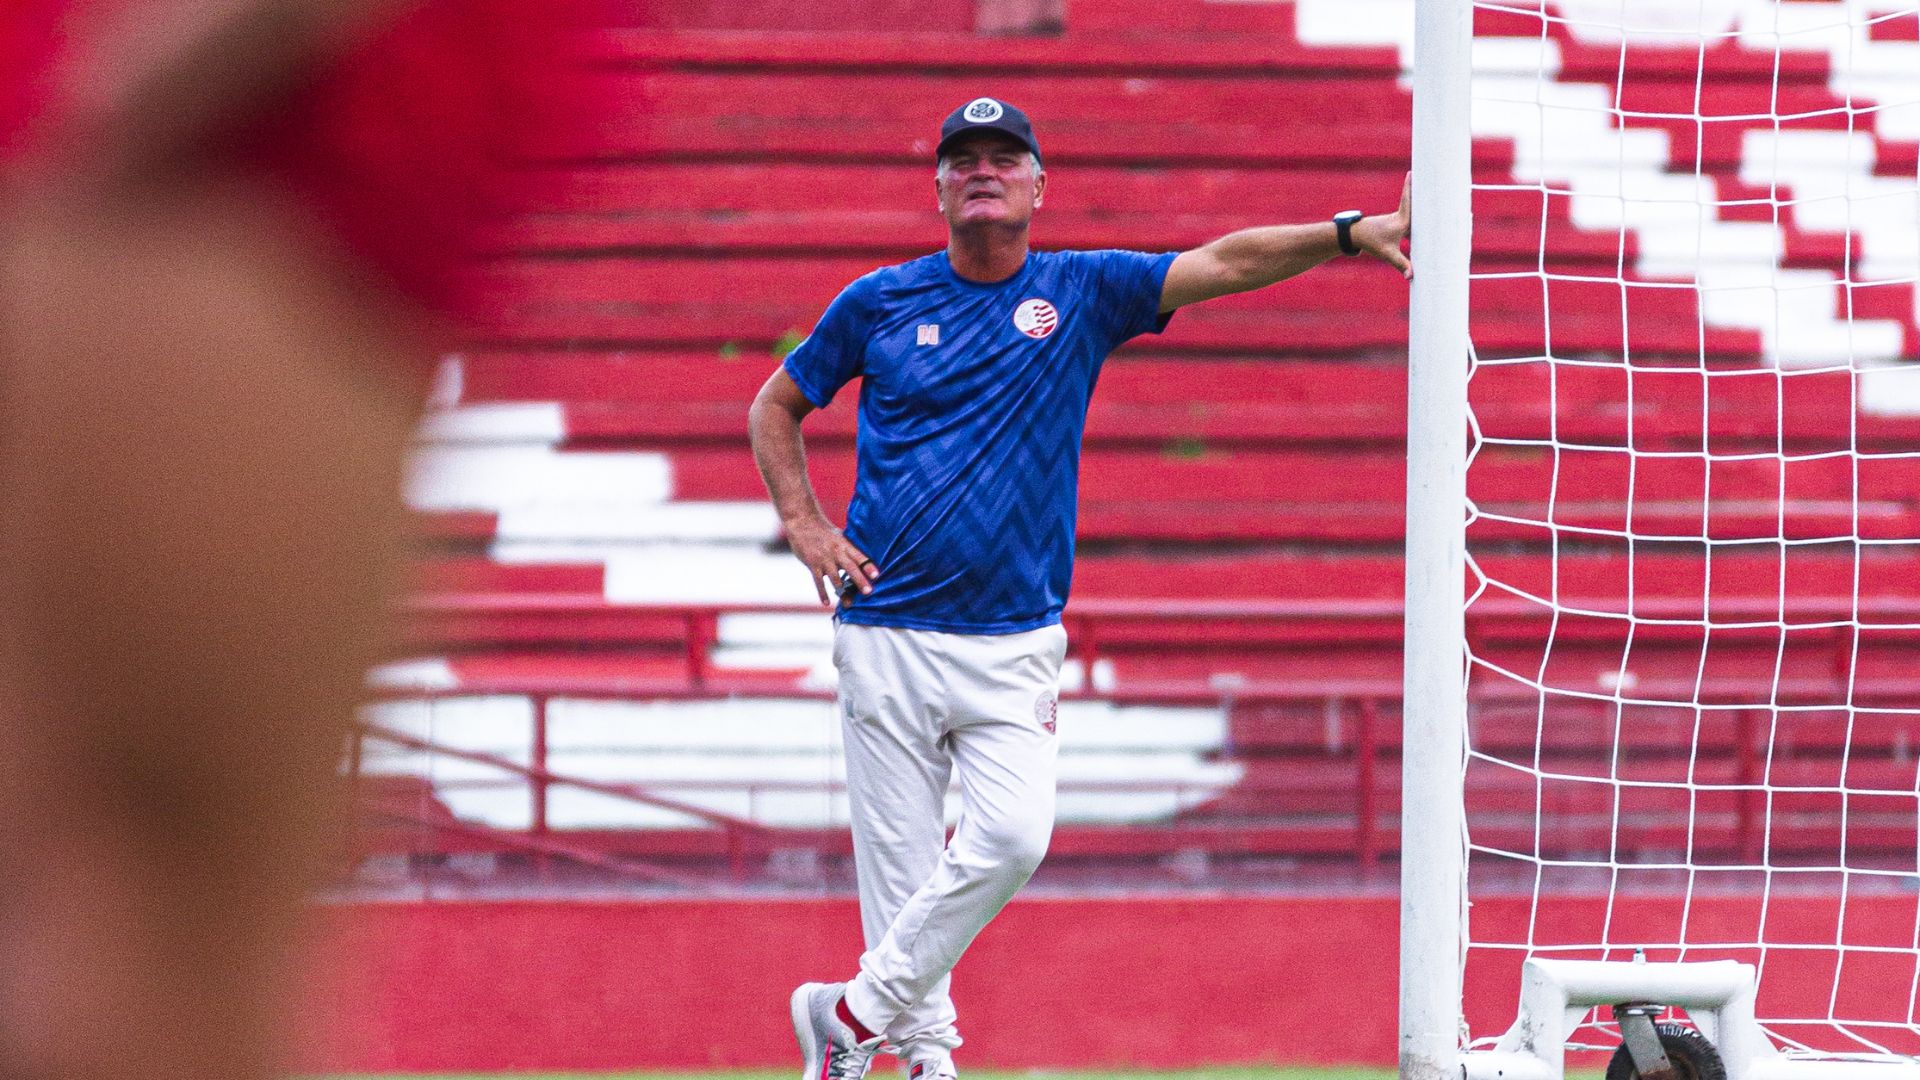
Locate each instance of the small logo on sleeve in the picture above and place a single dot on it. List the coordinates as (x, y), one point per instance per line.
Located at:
(1035, 318)
(927, 334)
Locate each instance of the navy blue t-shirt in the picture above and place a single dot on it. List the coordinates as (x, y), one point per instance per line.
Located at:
(972, 402)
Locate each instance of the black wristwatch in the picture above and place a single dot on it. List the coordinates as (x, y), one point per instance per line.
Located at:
(1343, 224)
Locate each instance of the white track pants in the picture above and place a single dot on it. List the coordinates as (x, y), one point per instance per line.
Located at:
(916, 706)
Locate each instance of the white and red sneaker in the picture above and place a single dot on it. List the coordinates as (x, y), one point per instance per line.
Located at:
(938, 1066)
(829, 1046)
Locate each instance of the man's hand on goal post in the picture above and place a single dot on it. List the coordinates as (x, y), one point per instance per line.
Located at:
(1382, 234)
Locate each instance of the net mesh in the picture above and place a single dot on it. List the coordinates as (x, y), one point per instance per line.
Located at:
(1694, 487)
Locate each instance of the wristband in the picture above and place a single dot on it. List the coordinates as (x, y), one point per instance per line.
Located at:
(1343, 223)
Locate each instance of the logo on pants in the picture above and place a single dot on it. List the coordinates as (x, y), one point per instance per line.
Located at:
(1046, 709)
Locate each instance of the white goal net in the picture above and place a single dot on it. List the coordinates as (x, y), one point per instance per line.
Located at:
(1693, 504)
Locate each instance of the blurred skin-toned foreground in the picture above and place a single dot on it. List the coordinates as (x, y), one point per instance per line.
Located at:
(206, 390)
(197, 563)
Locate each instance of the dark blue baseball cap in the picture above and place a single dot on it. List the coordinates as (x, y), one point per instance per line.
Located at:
(986, 114)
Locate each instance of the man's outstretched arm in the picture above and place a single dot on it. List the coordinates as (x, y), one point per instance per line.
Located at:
(1255, 258)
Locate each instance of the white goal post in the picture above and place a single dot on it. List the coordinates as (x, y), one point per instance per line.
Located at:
(1432, 817)
(1662, 667)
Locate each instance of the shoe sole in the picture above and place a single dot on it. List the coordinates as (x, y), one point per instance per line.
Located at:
(812, 1052)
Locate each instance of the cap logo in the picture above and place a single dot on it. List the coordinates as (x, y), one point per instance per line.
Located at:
(1035, 318)
(983, 111)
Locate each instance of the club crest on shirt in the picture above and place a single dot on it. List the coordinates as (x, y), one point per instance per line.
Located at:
(1046, 709)
(1035, 318)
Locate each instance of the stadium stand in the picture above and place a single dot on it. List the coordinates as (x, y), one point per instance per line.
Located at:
(604, 599)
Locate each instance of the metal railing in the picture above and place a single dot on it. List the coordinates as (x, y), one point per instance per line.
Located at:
(745, 838)
(1096, 629)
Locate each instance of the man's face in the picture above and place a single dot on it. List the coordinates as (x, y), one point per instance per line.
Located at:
(988, 179)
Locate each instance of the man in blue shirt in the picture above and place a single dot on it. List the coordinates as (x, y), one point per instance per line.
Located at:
(976, 365)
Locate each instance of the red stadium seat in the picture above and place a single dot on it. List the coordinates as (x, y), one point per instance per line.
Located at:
(1254, 453)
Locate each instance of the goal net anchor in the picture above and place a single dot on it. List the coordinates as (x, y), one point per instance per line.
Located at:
(1641, 1043)
(1718, 995)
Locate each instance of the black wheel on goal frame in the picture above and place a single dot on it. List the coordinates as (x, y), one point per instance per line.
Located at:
(1693, 1057)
